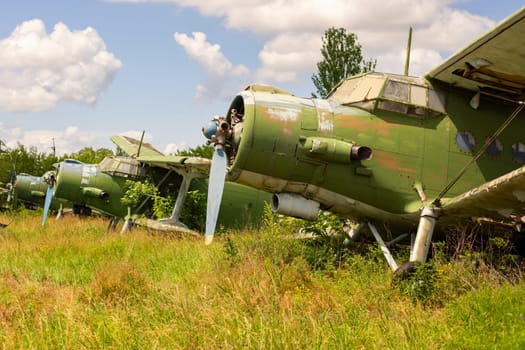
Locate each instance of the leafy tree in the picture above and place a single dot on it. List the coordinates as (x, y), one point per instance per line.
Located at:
(89, 155)
(25, 160)
(28, 160)
(203, 151)
(341, 58)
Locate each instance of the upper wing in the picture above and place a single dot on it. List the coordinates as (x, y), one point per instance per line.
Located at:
(132, 147)
(195, 166)
(494, 62)
(183, 165)
(498, 199)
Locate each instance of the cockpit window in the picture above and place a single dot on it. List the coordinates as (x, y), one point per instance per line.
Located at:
(394, 93)
(396, 90)
(122, 166)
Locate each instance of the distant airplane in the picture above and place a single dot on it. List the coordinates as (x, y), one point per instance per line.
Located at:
(31, 191)
(417, 154)
(101, 186)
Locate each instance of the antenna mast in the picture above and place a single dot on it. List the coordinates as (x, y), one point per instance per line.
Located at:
(53, 147)
(409, 44)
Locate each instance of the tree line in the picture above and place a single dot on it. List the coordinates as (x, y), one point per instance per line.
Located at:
(28, 160)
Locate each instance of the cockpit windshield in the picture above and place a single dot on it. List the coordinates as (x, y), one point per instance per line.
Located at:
(122, 166)
(389, 92)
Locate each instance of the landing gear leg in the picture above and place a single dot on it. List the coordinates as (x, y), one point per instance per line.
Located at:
(386, 252)
(113, 223)
(425, 229)
(60, 212)
(181, 197)
(127, 222)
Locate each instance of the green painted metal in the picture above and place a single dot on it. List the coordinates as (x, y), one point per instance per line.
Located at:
(86, 185)
(279, 132)
(31, 191)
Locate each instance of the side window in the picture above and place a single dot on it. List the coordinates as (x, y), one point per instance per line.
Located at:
(495, 148)
(518, 152)
(465, 141)
(396, 90)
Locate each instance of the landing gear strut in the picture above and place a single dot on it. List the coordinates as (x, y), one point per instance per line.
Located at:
(419, 251)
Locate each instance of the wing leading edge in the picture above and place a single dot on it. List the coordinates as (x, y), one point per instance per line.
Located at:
(493, 63)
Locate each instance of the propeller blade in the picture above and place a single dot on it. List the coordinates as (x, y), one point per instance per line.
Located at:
(215, 189)
(47, 203)
(11, 187)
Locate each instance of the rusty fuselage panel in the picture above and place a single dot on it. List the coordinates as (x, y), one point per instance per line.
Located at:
(303, 146)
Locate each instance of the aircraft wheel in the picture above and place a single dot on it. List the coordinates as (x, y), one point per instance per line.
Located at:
(405, 271)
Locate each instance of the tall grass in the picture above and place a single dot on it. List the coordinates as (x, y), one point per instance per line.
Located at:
(72, 285)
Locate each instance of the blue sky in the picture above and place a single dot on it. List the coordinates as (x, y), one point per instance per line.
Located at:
(79, 71)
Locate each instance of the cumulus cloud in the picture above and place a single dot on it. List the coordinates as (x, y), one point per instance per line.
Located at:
(292, 31)
(68, 140)
(40, 69)
(287, 55)
(172, 148)
(148, 137)
(218, 68)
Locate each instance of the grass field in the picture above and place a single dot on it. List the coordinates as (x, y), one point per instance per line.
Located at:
(72, 285)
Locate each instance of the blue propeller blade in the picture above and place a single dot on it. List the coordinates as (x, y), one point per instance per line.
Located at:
(47, 203)
(215, 188)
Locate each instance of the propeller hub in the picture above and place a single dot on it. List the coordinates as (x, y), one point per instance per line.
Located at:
(210, 129)
(217, 131)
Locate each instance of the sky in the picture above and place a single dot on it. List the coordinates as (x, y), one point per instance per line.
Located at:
(75, 72)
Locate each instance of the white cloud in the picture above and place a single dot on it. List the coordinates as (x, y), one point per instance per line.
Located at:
(172, 148)
(38, 70)
(293, 30)
(69, 140)
(218, 68)
(148, 137)
(288, 54)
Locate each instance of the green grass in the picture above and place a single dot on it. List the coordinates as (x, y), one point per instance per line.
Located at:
(72, 285)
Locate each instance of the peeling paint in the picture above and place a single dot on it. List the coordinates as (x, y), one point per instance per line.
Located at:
(87, 172)
(287, 115)
(326, 124)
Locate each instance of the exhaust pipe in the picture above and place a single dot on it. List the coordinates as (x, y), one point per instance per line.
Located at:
(295, 205)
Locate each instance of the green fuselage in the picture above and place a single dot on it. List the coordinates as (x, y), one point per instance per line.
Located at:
(31, 191)
(276, 152)
(88, 185)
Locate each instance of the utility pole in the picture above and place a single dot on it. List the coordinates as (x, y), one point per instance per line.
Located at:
(53, 147)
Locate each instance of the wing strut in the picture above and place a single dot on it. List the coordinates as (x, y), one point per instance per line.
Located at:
(386, 252)
(181, 198)
(521, 105)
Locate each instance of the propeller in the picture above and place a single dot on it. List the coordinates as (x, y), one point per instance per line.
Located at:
(217, 131)
(11, 187)
(50, 179)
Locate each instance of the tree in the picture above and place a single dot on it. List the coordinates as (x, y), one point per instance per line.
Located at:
(90, 156)
(341, 58)
(24, 160)
(203, 151)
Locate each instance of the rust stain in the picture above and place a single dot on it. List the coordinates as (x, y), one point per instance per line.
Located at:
(391, 161)
(364, 126)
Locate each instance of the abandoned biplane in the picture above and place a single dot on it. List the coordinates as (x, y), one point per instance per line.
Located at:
(414, 153)
(101, 186)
